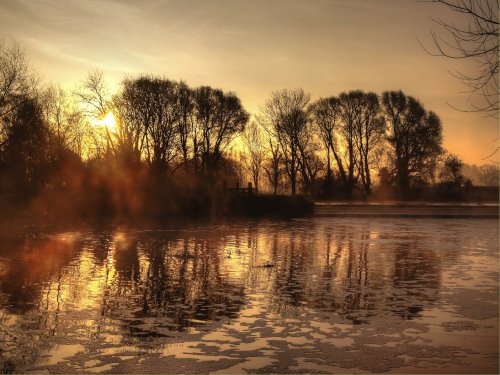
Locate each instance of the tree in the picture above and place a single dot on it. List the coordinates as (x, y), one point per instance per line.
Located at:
(273, 164)
(186, 121)
(476, 38)
(134, 108)
(220, 117)
(349, 109)
(285, 117)
(68, 129)
(452, 170)
(369, 130)
(95, 102)
(18, 83)
(94, 95)
(162, 131)
(151, 121)
(326, 117)
(25, 158)
(489, 174)
(254, 143)
(415, 136)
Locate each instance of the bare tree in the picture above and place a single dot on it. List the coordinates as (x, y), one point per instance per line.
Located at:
(220, 117)
(326, 117)
(95, 101)
(284, 116)
(254, 142)
(149, 113)
(349, 108)
(94, 94)
(475, 38)
(163, 129)
(186, 121)
(65, 120)
(489, 174)
(369, 131)
(18, 82)
(134, 108)
(273, 164)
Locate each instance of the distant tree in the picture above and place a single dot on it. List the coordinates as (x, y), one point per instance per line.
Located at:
(285, 117)
(415, 136)
(489, 174)
(254, 145)
(475, 38)
(452, 170)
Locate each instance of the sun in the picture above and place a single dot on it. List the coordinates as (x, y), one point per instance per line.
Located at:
(109, 122)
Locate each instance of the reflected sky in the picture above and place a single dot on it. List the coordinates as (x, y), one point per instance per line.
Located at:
(121, 291)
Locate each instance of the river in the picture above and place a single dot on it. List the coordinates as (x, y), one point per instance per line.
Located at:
(312, 295)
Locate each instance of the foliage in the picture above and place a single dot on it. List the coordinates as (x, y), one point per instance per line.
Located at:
(415, 136)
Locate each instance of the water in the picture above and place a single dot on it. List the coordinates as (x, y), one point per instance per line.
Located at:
(316, 295)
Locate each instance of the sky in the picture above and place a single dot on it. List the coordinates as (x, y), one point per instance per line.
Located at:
(255, 47)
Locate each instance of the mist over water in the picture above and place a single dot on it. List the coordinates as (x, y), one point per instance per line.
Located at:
(405, 295)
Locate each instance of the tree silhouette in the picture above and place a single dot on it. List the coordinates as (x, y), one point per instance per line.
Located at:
(452, 170)
(68, 127)
(254, 142)
(489, 174)
(369, 130)
(186, 120)
(349, 110)
(285, 117)
(18, 83)
(95, 100)
(25, 158)
(415, 136)
(273, 165)
(326, 117)
(220, 117)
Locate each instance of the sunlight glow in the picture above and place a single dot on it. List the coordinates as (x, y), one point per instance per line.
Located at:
(109, 122)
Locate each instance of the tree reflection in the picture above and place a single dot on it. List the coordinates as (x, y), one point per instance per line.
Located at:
(344, 270)
(143, 287)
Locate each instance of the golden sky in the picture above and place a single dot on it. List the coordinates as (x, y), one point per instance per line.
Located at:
(255, 47)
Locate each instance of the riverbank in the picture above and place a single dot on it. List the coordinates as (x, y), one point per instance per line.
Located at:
(14, 216)
(406, 209)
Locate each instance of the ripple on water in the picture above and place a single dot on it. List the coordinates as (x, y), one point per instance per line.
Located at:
(274, 296)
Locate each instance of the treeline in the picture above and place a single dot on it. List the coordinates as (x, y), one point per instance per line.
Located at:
(158, 145)
(356, 132)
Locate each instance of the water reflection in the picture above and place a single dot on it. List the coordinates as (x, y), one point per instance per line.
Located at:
(143, 287)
